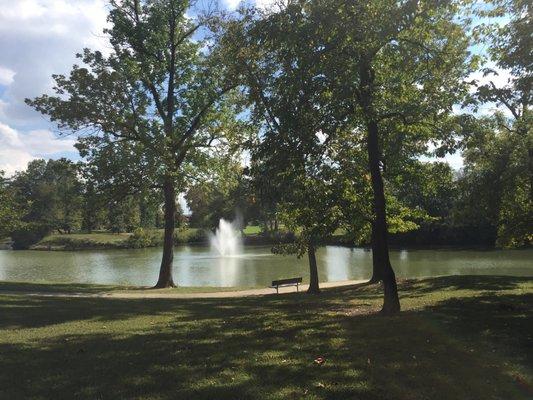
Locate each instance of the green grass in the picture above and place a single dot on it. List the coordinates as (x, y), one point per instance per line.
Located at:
(83, 240)
(98, 240)
(252, 230)
(457, 338)
(90, 289)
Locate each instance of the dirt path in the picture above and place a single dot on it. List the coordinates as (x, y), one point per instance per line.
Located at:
(168, 294)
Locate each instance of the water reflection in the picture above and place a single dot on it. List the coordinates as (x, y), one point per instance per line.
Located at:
(337, 264)
(197, 266)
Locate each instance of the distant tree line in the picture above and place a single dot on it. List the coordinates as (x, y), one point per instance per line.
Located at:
(53, 196)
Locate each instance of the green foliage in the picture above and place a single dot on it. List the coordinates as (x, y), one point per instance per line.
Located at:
(142, 238)
(147, 113)
(223, 193)
(275, 58)
(498, 176)
(50, 193)
(429, 186)
(123, 215)
(496, 188)
(10, 210)
(190, 235)
(28, 234)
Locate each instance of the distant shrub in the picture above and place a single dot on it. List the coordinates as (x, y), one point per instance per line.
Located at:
(190, 235)
(28, 234)
(144, 238)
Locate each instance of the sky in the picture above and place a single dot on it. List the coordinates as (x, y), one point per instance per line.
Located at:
(39, 38)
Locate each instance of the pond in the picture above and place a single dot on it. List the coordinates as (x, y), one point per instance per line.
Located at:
(256, 266)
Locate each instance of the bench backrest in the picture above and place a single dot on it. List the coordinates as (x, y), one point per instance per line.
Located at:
(286, 281)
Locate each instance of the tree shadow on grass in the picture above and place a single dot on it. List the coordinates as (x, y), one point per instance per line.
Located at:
(264, 348)
(51, 288)
(463, 282)
(250, 348)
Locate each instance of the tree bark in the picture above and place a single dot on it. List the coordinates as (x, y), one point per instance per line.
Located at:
(313, 271)
(380, 249)
(376, 275)
(165, 272)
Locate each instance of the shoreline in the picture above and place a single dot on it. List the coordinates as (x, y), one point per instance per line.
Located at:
(60, 248)
(146, 292)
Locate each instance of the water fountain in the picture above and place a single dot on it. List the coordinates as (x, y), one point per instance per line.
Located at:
(227, 240)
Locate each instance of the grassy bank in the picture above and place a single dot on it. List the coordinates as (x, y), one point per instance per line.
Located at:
(107, 240)
(145, 238)
(457, 338)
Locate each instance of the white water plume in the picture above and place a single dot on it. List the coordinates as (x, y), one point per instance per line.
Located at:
(227, 239)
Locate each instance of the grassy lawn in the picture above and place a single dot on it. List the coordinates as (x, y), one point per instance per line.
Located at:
(92, 289)
(84, 240)
(457, 338)
(252, 230)
(97, 240)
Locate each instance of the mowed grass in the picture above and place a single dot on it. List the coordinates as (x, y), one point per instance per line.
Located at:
(85, 240)
(252, 230)
(103, 237)
(96, 240)
(64, 289)
(457, 338)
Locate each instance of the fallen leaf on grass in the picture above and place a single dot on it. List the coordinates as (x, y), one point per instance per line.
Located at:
(320, 360)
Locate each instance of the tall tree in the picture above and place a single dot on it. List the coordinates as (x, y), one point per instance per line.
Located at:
(51, 192)
(494, 186)
(275, 58)
(10, 210)
(146, 112)
(503, 154)
(402, 65)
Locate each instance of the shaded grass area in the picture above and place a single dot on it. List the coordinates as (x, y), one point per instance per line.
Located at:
(83, 289)
(457, 338)
(252, 230)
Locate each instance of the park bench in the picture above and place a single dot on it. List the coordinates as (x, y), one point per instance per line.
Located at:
(286, 282)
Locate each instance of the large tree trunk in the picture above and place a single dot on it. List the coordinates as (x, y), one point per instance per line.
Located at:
(313, 270)
(380, 248)
(376, 275)
(165, 272)
(382, 269)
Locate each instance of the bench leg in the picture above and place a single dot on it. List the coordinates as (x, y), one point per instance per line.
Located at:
(297, 288)
(277, 289)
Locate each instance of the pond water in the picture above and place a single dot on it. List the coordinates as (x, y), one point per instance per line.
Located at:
(198, 266)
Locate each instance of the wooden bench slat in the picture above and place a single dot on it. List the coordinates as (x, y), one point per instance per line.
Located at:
(286, 282)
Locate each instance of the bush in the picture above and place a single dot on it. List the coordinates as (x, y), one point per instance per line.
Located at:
(28, 234)
(144, 238)
(190, 235)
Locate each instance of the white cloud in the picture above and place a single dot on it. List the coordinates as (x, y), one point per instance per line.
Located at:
(12, 160)
(6, 76)
(44, 142)
(500, 77)
(37, 39)
(17, 149)
(232, 4)
(266, 4)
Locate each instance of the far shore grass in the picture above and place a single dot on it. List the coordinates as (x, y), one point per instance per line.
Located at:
(105, 240)
(458, 337)
(109, 240)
